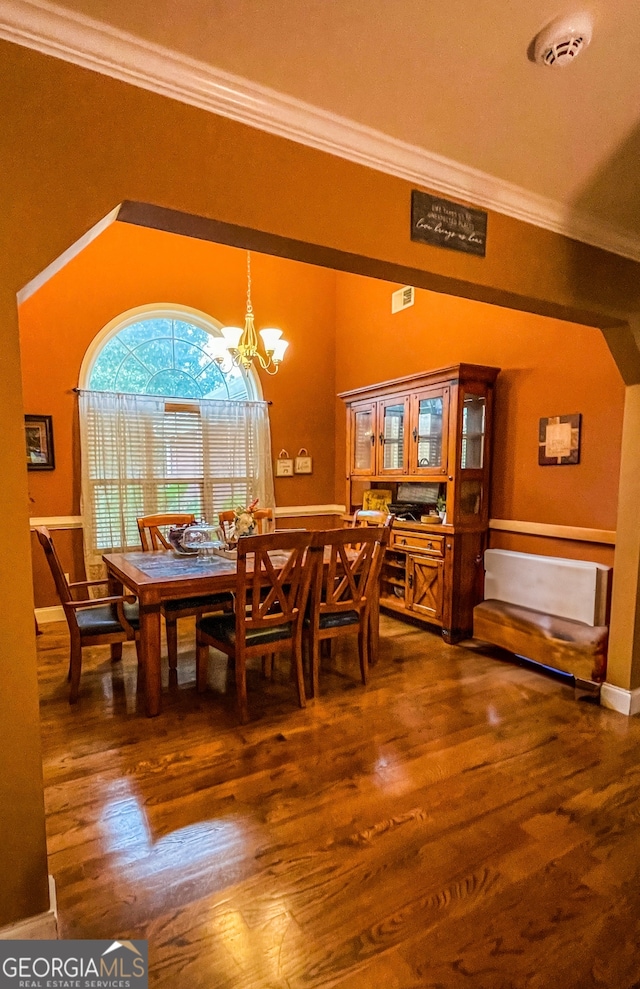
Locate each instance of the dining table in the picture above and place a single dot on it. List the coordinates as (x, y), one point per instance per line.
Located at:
(156, 577)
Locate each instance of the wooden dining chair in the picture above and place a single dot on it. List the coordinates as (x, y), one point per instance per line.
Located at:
(150, 528)
(369, 516)
(261, 515)
(345, 592)
(153, 538)
(270, 600)
(101, 621)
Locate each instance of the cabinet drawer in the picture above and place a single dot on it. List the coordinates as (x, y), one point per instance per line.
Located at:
(421, 542)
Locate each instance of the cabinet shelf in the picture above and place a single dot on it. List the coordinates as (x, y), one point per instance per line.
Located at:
(394, 581)
(398, 564)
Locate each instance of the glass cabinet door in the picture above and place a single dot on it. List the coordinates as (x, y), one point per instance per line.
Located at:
(363, 425)
(393, 416)
(473, 431)
(431, 417)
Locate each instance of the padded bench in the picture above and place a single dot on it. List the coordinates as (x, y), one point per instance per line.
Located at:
(566, 645)
(546, 609)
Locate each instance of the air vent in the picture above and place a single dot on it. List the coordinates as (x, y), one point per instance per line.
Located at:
(403, 298)
(561, 41)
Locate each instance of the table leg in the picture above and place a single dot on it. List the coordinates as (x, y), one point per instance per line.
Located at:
(115, 587)
(374, 626)
(150, 657)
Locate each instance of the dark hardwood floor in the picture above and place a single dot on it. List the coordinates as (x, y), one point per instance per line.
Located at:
(459, 822)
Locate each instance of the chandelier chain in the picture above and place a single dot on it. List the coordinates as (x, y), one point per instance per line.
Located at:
(249, 306)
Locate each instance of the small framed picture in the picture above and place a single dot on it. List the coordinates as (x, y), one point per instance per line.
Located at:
(39, 442)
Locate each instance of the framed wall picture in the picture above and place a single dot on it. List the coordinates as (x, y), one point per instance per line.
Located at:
(559, 440)
(39, 442)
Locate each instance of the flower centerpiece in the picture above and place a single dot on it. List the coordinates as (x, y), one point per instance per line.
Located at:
(244, 523)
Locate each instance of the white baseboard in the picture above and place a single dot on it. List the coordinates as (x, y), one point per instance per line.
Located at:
(42, 927)
(621, 700)
(53, 614)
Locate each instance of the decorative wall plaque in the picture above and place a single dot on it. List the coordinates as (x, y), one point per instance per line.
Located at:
(303, 463)
(284, 465)
(559, 440)
(445, 224)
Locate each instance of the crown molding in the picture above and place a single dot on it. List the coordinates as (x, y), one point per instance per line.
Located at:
(94, 45)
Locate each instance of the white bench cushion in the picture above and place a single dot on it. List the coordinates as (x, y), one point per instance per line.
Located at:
(574, 589)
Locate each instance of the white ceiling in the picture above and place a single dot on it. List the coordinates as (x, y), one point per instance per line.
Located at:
(447, 78)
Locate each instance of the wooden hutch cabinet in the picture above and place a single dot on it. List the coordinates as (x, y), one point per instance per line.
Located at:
(427, 440)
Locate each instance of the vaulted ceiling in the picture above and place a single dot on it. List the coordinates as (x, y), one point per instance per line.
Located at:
(441, 91)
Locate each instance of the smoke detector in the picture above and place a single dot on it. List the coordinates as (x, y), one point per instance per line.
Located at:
(561, 41)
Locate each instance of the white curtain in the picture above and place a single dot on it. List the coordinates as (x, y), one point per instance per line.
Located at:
(142, 454)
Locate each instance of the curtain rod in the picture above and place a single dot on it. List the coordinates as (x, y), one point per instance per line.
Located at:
(168, 398)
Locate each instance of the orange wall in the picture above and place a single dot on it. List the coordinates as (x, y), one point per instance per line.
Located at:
(129, 266)
(548, 368)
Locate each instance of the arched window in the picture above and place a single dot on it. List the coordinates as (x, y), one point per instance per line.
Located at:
(164, 352)
(164, 428)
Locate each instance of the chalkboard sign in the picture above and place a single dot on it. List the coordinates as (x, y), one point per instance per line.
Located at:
(445, 224)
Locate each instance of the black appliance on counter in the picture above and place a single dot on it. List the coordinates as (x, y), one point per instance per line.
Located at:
(414, 501)
(408, 512)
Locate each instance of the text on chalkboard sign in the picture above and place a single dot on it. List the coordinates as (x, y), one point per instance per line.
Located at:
(445, 224)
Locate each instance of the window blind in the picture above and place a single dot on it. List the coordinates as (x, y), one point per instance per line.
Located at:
(143, 454)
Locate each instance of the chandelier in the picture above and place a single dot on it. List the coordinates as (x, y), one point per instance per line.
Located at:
(240, 347)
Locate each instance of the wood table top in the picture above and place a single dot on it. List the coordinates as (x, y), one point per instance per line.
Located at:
(159, 566)
(160, 569)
